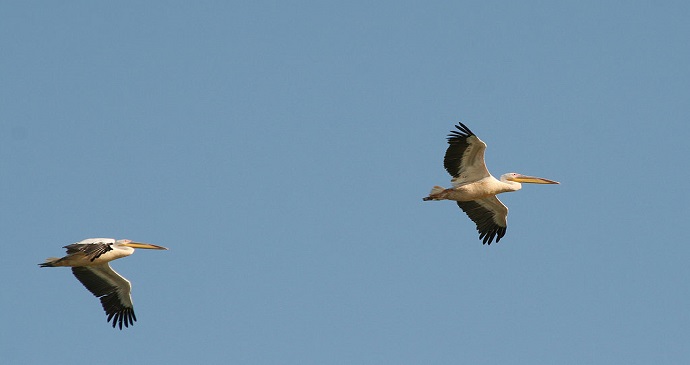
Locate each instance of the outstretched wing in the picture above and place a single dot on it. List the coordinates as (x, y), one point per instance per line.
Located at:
(112, 289)
(464, 159)
(490, 216)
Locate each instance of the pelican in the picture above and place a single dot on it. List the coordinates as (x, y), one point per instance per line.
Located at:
(474, 189)
(89, 261)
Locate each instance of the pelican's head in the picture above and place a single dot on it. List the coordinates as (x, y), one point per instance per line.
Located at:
(130, 243)
(513, 176)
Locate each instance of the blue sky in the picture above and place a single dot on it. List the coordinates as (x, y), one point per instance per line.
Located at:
(281, 151)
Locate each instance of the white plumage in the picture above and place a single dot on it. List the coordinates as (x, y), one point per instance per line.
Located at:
(474, 189)
(89, 260)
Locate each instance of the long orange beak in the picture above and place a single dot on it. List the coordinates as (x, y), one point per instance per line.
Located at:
(144, 245)
(532, 180)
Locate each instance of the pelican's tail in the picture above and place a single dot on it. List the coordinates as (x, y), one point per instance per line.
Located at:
(434, 192)
(50, 261)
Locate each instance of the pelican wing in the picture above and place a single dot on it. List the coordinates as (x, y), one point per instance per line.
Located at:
(92, 251)
(464, 159)
(490, 215)
(112, 289)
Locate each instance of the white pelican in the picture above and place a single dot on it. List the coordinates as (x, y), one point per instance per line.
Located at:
(89, 261)
(474, 189)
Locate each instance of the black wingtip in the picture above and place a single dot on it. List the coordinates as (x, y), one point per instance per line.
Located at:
(487, 237)
(464, 128)
(125, 316)
(461, 133)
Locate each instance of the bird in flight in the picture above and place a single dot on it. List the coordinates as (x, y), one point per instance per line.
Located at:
(474, 189)
(89, 260)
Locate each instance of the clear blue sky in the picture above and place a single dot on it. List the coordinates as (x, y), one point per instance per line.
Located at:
(281, 151)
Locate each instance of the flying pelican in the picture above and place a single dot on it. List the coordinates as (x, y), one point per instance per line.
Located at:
(474, 189)
(89, 261)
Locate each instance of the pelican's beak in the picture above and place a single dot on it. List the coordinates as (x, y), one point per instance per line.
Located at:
(532, 179)
(144, 245)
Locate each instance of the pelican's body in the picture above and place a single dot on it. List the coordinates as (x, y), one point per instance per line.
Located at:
(479, 189)
(89, 260)
(474, 188)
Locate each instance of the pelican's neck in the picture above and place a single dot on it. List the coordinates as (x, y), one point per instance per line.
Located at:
(510, 185)
(122, 251)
